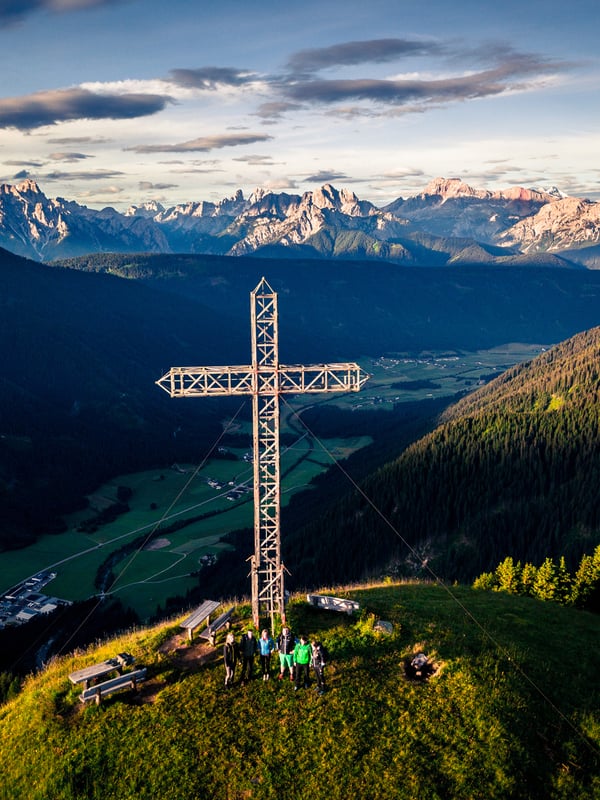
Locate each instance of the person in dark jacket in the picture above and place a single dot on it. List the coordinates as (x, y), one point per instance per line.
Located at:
(230, 658)
(286, 641)
(318, 659)
(248, 649)
(302, 657)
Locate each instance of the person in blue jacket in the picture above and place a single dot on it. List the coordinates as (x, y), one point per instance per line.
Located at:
(266, 645)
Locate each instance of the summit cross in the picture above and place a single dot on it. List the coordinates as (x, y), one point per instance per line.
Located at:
(265, 379)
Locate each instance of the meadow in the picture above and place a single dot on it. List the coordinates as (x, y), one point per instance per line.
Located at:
(510, 712)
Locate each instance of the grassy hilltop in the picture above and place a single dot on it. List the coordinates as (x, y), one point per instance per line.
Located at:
(512, 711)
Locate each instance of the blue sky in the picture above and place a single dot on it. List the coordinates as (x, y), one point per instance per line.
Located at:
(114, 102)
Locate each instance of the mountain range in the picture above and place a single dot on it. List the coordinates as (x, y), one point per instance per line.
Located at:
(448, 223)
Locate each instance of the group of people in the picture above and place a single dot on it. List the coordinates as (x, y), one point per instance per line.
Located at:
(296, 656)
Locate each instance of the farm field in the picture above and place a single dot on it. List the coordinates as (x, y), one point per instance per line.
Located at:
(161, 564)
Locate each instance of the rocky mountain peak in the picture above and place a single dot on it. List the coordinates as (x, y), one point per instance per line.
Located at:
(28, 186)
(453, 187)
(148, 209)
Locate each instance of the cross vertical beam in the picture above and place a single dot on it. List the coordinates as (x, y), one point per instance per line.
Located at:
(265, 379)
(267, 572)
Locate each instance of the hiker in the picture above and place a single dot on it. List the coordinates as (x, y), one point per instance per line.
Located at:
(419, 665)
(286, 641)
(266, 645)
(248, 649)
(302, 658)
(318, 659)
(230, 658)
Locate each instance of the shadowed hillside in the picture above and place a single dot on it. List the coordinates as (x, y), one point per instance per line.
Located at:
(513, 469)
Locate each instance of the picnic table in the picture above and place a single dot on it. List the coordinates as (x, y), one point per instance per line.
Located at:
(88, 674)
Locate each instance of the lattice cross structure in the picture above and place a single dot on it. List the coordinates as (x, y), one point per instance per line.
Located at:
(265, 379)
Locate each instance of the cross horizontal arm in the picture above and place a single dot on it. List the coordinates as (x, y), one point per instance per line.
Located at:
(207, 381)
(294, 379)
(297, 378)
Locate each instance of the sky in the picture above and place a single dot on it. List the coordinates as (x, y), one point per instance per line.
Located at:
(121, 102)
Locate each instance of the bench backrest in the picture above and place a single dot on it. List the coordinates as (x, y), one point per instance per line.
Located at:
(113, 684)
(333, 603)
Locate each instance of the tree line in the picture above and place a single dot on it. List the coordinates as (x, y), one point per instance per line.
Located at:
(549, 581)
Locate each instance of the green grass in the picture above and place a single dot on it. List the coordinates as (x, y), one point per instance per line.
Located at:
(512, 712)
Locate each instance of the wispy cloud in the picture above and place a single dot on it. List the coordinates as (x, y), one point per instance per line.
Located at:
(210, 78)
(515, 72)
(68, 157)
(13, 163)
(275, 110)
(326, 176)
(97, 175)
(65, 140)
(12, 11)
(62, 105)
(362, 52)
(203, 144)
(148, 185)
(257, 160)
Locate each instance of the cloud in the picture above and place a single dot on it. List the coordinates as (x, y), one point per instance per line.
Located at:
(516, 73)
(275, 109)
(257, 161)
(210, 77)
(62, 105)
(68, 157)
(148, 185)
(326, 176)
(78, 140)
(12, 11)
(361, 52)
(96, 175)
(24, 163)
(203, 144)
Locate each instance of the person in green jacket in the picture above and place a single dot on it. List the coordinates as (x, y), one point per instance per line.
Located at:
(302, 658)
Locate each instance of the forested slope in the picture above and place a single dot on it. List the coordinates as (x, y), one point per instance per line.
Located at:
(513, 469)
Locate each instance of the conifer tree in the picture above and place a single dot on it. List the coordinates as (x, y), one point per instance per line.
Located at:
(545, 584)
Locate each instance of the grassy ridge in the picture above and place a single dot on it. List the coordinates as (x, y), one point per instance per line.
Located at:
(511, 716)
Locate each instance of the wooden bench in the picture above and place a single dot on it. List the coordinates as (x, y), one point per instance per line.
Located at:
(333, 603)
(209, 633)
(88, 674)
(199, 616)
(129, 680)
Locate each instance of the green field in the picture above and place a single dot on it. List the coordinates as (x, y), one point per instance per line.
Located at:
(161, 567)
(509, 713)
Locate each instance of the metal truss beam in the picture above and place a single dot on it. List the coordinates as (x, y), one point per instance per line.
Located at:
(265, 379)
